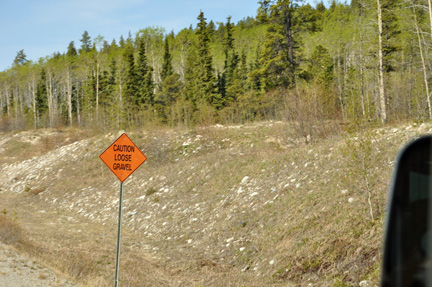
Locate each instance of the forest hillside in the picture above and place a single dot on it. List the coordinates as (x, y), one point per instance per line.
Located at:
(369, 60)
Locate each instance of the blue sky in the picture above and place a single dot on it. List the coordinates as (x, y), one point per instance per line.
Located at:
(43, 27)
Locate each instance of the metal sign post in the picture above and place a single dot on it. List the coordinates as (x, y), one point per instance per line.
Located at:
(117, 266)
(122, 157)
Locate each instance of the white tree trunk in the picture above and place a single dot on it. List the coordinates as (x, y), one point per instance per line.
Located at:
(423, 64)
(382, 96)
(49, 85)
(69, 95)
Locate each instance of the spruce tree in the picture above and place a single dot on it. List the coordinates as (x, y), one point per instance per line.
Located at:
(320, 67)
(167, 68)
(20, 58)
(111, 82)
(238, 84)
(390, 32)
(263, 11)
(86, 44)
(230, 65)
(71, 51)
(280, 56)
(131, 88)
(144, 77)
(207, 78)
(41, 95)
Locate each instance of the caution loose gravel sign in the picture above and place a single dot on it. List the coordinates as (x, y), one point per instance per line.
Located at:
(123, 157)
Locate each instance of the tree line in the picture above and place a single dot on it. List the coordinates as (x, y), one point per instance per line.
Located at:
(367, 60)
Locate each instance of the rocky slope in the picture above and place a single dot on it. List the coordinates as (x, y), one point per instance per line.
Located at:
(224, 205)
(20, 271)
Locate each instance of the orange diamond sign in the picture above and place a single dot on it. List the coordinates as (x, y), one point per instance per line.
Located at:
(123, 157)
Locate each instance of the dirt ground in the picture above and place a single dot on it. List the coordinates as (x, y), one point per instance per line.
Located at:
(20, 271)
(221, 206)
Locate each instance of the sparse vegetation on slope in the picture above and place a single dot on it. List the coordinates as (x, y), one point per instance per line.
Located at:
(247, 205)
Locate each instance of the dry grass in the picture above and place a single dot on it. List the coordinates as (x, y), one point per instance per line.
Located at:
(248, 205)
(10, 231)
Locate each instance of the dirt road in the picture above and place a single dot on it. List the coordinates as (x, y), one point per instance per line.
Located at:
(19, 271)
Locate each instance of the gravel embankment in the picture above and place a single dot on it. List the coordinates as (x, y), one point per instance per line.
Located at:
(19, 271)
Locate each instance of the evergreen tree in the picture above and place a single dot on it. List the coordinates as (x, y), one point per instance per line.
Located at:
(390, 32)
(207, 78)
(113, 45)
(320, 67)
(238, 80)
(280, 57)
(263, 11)
(167, 68)
(256, 73)
(86, 44)
(131, 79)
(171, 89)
(211, 30)
(168, 96)
(122, 42)
(71, 51)
(20, 58)
(230, 65)
(191, 89)
(111, 82)
(144, 77)
(321, 8)
(41, 95)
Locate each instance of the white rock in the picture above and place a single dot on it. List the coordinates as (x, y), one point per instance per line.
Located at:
(272, 262)
(351, 200)
(242, 249)
(245, 180)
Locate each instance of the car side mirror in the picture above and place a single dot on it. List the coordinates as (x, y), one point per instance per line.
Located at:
(407, 246)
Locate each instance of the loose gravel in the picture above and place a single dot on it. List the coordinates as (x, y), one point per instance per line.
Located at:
(17, 270)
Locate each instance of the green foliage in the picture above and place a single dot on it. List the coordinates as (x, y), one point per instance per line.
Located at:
(20, 58)
(71, 51)
(205, 67)
(144, 74)
(150, 191)
(364, 157)
(320, 67)
(167, 67)
(85, 43)
(41, 95)
(263, 12)
(231, 70)
(132, 81)
(280, 56)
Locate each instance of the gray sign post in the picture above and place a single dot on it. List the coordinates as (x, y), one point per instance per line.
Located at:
(122, 157)
(117, 266)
